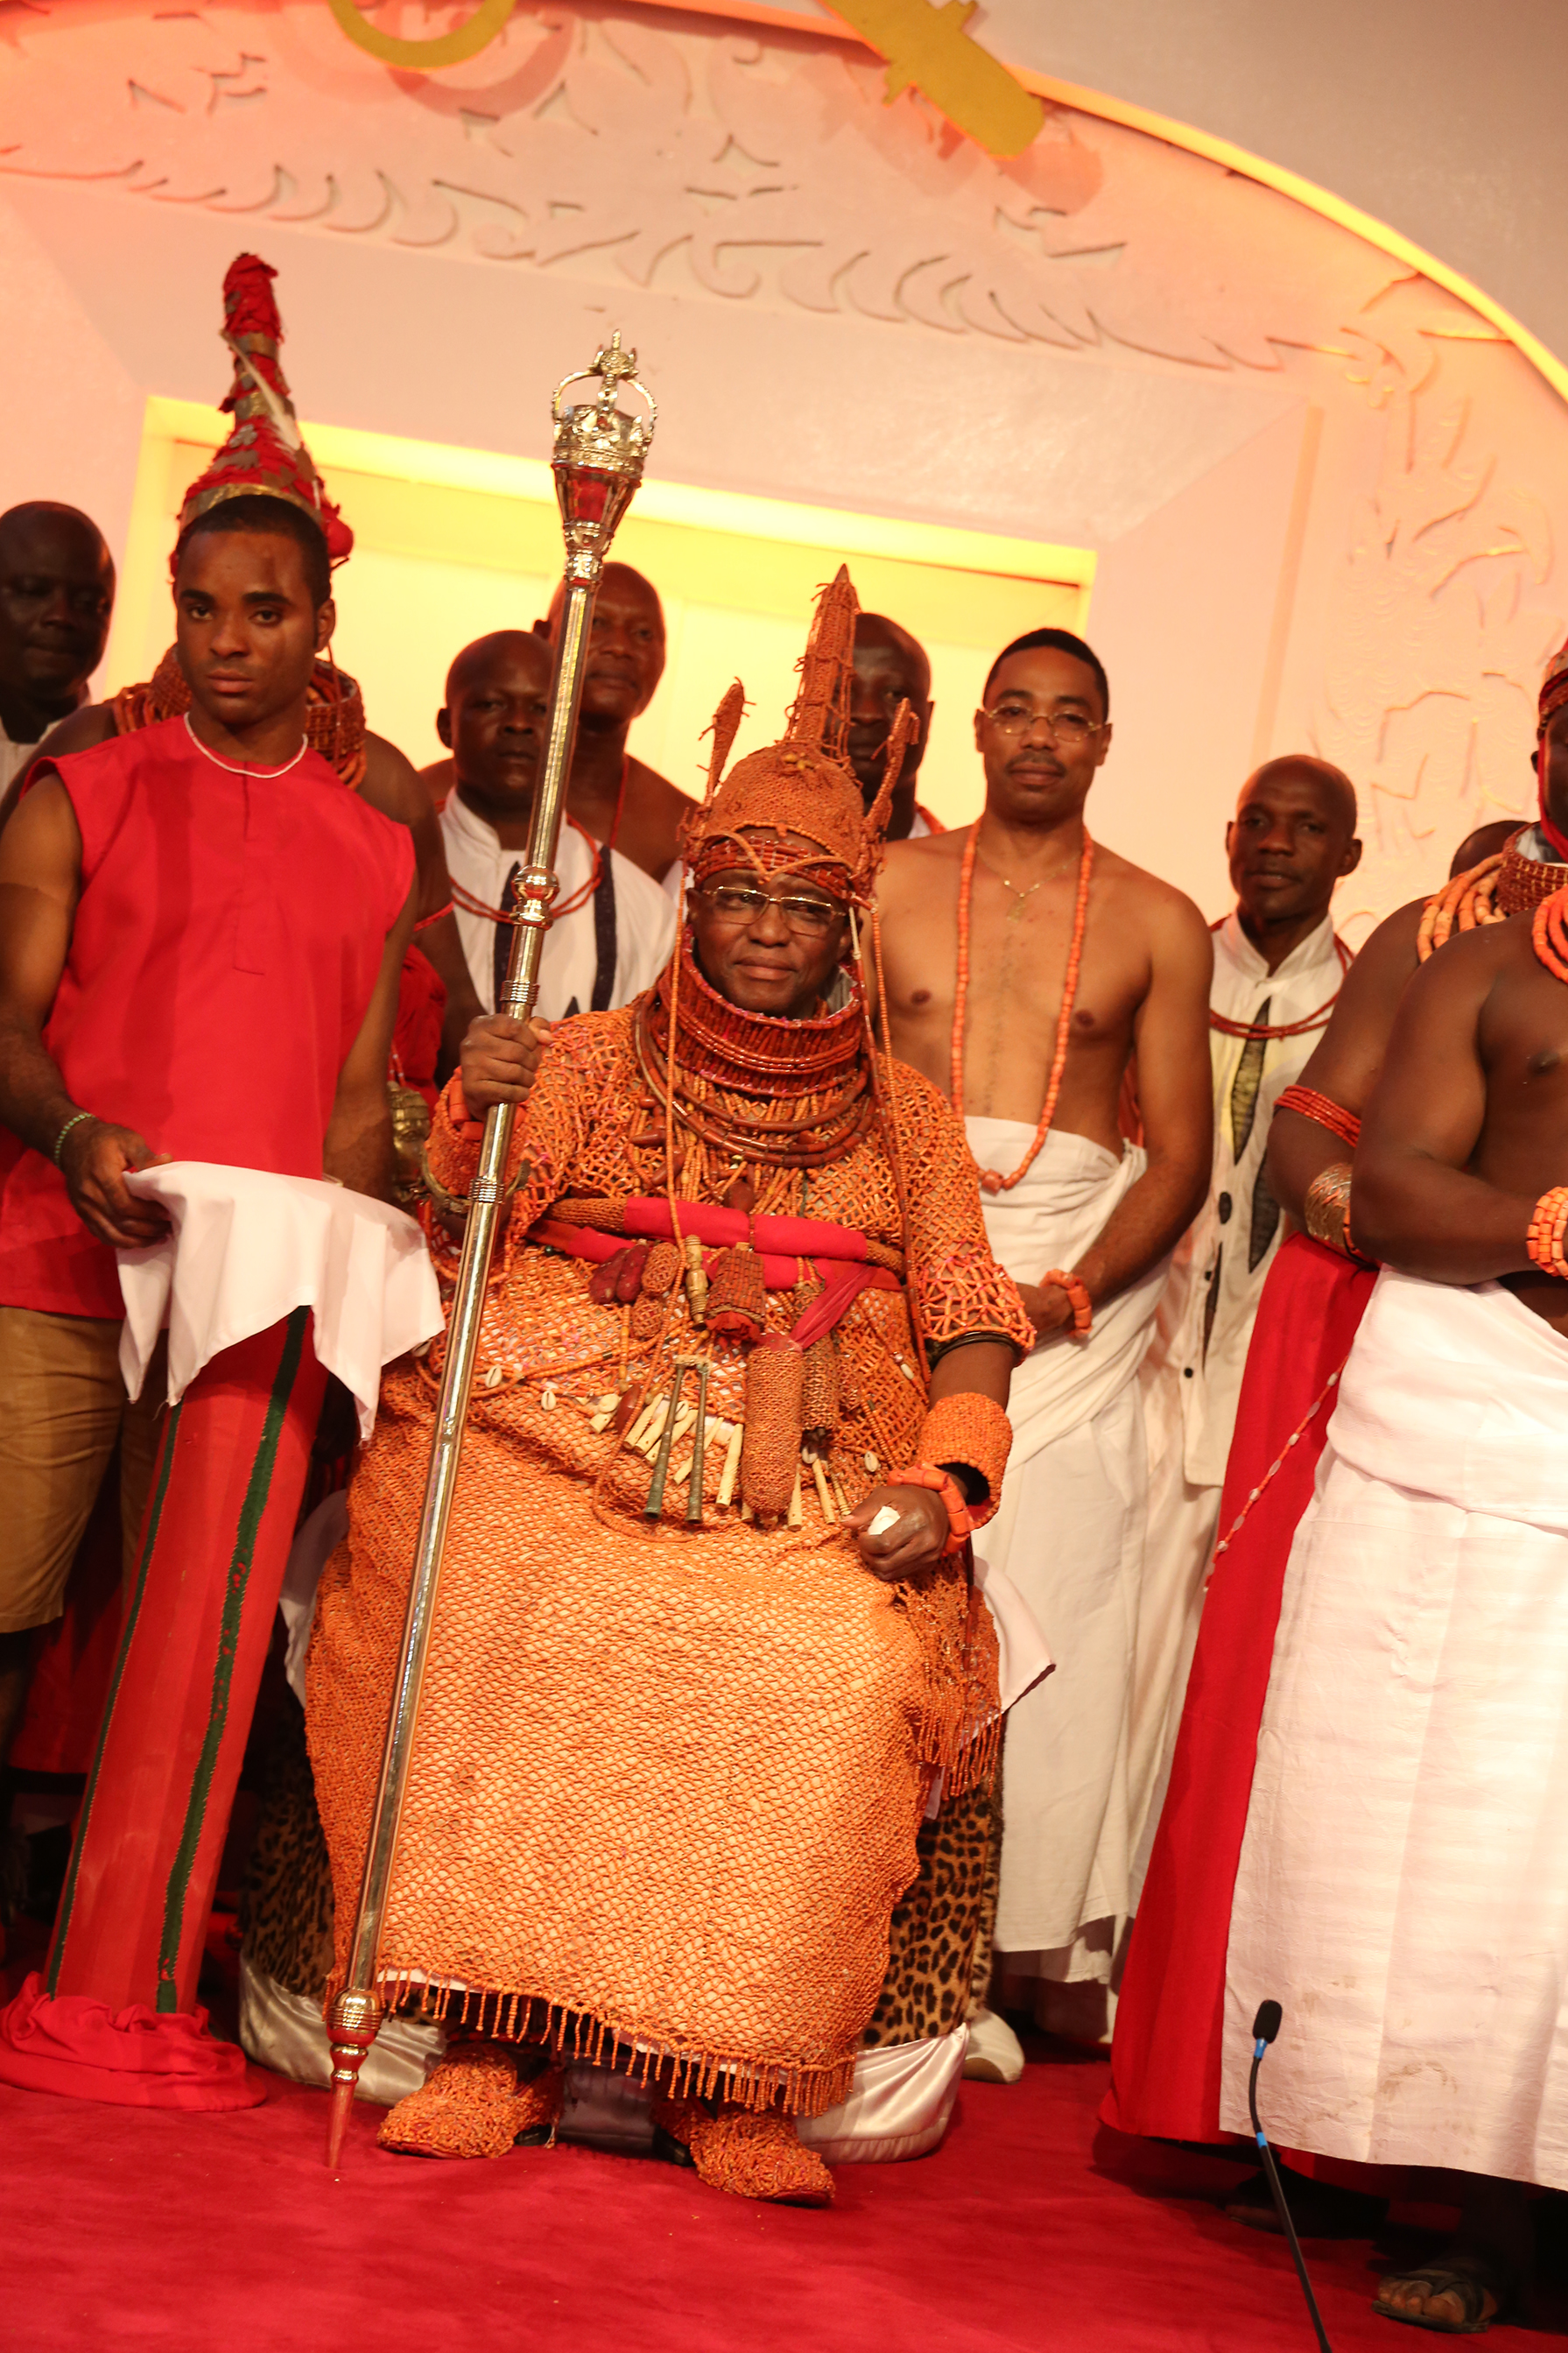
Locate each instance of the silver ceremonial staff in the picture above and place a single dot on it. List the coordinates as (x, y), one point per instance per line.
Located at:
(598, 463)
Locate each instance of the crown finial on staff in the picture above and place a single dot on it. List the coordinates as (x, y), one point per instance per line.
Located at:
(597, 460)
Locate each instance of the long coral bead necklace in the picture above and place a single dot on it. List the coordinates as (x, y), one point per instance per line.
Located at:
(991, 1180)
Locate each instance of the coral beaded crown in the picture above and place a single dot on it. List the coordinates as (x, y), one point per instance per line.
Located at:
(803, 785)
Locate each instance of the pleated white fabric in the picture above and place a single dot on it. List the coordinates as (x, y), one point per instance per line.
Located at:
(1403, 1881)
(1068, 1533)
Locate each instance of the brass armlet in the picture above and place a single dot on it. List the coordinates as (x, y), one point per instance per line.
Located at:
(1327, 1211)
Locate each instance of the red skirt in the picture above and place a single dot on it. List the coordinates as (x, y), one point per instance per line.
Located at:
(1170, 2017)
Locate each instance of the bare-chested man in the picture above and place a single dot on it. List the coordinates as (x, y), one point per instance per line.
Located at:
(1403, 1881)
(56, 594)
(1083, 1221)
(1165, 2068)
(890, 668)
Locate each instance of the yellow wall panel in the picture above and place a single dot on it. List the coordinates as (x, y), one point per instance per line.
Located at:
(439, 560)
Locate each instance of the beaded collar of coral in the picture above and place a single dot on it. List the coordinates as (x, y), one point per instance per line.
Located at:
(756, 1053)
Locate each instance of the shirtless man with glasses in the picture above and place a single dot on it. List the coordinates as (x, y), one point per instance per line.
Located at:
(1029, 973)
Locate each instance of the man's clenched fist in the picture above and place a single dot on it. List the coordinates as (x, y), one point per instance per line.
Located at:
(499, 1060)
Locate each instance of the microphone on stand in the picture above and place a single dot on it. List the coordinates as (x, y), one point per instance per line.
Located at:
(1265, 2027)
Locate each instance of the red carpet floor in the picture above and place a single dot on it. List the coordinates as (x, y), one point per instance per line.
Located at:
(226, 2234)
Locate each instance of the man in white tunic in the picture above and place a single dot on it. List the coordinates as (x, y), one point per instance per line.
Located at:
(1404, 1883)
(1025, 968)
(56, 594)
(1277, 968)
(613, 927)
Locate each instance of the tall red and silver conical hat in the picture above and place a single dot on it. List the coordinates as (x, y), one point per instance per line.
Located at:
(265, 456)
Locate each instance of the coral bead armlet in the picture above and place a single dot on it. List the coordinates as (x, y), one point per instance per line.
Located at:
(1078, 1291)
(1323, 1112)
(972, 1432)
(1546, 1232)
(940, 1482)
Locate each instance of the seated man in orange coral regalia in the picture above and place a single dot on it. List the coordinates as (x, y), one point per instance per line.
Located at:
(705, 1636)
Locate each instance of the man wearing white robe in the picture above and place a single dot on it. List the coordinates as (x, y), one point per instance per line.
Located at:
(1402, 1890)
(614, 926)
(1025, 968)
(1277, 968)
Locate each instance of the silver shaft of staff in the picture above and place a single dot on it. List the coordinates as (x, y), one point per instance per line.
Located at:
(599, 454)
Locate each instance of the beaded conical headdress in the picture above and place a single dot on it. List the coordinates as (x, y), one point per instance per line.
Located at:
(803, 785)
(265, 456)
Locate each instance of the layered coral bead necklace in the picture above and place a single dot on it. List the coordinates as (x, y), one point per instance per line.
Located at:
(1549, 934)
(991, 1180)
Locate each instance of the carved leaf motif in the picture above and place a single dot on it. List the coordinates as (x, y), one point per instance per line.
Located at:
(757, 169)
(767, 170)
(1434, 653)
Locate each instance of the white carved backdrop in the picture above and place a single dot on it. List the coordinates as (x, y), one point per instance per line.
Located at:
(1321, 488)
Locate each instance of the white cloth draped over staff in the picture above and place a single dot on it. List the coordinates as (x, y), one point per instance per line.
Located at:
(1069, 1535)
(1404, 1883)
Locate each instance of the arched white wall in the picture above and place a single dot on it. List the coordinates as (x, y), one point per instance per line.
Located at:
(1435, 117)
(1322, 491)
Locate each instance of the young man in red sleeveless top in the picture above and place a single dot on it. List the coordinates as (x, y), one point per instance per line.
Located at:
(201, 932)
(198, 959)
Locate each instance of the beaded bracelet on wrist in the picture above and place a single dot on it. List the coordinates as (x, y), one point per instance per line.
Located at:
(75, 1121)
(1547, 1228)
(973, 1429)
(960, 1526)
(1078, 1293)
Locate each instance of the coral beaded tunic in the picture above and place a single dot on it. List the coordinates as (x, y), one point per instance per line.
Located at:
(667, 1780)
(224, 953)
